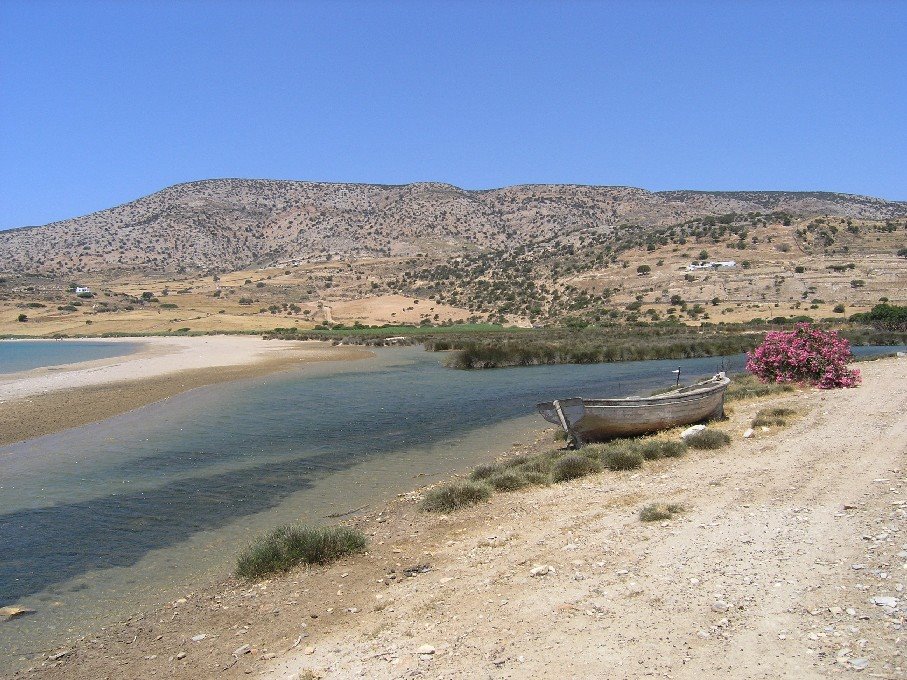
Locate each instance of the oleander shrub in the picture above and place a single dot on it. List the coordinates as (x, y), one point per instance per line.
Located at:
(804, 355)
(572, 467)
(708, 439)
(287, 546)
(452, 496)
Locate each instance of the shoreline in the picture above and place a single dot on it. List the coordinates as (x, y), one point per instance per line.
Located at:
(47, 400)
(746, 583)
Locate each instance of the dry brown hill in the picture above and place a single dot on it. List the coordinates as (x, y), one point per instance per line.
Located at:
(231, 224)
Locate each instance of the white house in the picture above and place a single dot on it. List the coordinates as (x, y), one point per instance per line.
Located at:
(82, 289)
(711, 265)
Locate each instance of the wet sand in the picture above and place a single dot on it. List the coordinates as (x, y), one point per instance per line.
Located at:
(47, 400)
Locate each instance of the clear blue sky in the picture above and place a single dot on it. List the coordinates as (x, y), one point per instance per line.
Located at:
(104, 102)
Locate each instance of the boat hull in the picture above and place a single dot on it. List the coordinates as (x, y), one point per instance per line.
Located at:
(590, 420)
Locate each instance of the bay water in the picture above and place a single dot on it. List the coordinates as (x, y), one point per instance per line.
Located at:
(100, 520)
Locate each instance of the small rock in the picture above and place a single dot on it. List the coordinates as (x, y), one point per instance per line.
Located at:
(308, 650)
(60, 655)
(542, 570)
(885, 601)
(859, 664)
(720, 606)
(199, 637)
(268, 656)
(181, 655)
(690, 431)
(425, 649)
(749, 434)
(245, 649)
(7, 613)
(857, 566)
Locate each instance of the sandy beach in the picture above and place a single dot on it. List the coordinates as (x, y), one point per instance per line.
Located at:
(46, 400)
(789, 561)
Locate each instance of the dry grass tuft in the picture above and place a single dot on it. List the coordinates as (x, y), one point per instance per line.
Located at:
(768, 417)
(656, 512)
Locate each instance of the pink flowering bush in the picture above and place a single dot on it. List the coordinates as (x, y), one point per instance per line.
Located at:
(804, 355)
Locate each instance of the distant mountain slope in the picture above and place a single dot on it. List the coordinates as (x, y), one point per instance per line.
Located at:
(228, 224)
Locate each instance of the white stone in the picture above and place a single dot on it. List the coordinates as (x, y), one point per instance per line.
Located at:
(885, 601)
(749, 434)
(542, 570)
(425, 649)
(690, 431)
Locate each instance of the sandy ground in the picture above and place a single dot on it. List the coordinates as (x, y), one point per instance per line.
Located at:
(771, 572)
(45, 400)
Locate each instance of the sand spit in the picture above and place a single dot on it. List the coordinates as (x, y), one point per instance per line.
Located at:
(46, 400)
(789, 561)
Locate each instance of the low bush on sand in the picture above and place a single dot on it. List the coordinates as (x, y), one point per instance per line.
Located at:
(537, 478)
(654, 449)
(708, 439)
(287, 546)
(572, 467)
(508, 480)
(483, 472)
(542, 463)
(453, 496)
(622, 458)
(773, 416)
(656, 512)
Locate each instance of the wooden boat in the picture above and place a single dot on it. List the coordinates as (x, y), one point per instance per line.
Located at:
(590, 420)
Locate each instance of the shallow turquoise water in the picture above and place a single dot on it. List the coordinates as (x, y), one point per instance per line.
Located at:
(24, 355)
(96, 520)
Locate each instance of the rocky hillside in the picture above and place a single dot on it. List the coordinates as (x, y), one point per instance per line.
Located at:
(231, 224)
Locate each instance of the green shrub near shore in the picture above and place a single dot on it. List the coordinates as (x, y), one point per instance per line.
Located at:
(662, 448)
(573, 466)
(618, 459)
(708, 439)
(453, 496)
(288, 546)
(508, 480)
(481, 472)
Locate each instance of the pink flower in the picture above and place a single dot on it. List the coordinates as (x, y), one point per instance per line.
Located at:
(804, 355)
